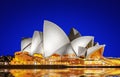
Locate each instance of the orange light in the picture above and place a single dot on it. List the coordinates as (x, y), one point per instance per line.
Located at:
(23, 58)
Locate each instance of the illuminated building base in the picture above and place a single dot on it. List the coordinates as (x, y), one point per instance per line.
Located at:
(23, 58)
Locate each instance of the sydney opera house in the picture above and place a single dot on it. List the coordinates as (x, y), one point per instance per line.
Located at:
(53, 46)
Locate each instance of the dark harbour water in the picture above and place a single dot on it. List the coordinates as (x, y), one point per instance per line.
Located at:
(64, 72)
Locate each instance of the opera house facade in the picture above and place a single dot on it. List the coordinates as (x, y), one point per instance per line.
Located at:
(53, 46)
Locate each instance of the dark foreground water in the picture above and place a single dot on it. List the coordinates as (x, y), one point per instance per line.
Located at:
(66, 72)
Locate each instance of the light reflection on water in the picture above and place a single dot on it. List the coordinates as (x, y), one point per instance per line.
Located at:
(69, 72)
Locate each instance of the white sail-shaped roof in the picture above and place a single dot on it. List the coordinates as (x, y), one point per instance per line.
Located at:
(75, 31)
(40, 49)
(74, 34)
(53, 38)
(36, 42)
(81, 51)
(97, 48)
(26, 44)
(69, 50)
(81, 42)
(61, 50)
(65, 50)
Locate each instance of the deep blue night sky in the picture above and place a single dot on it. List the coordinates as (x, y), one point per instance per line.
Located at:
(19, 18)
